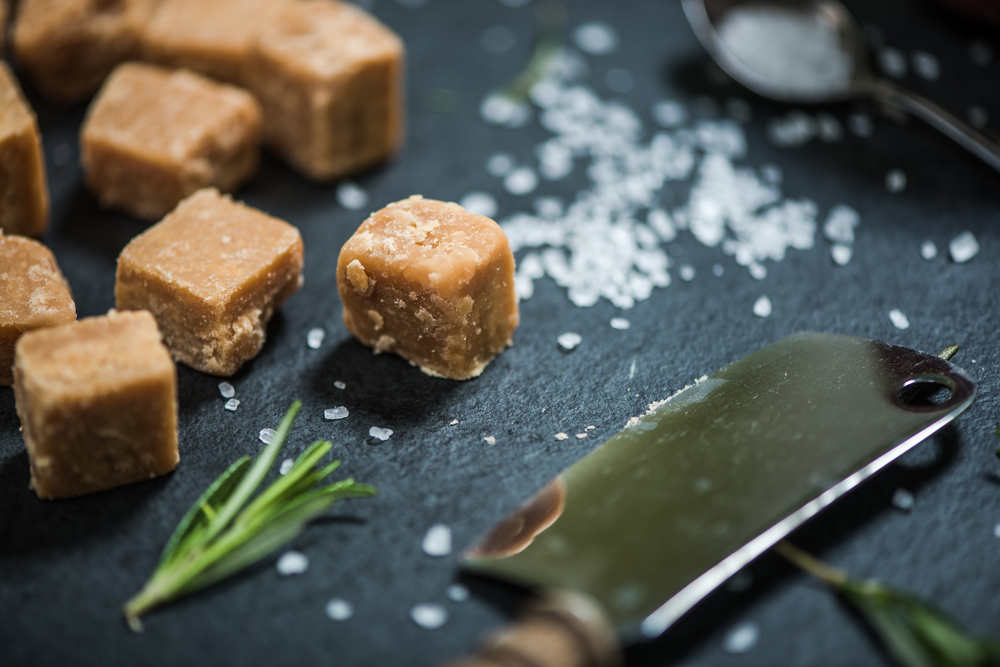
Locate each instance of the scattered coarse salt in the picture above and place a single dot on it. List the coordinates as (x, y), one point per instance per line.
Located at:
(339, 385)
(686, 272)
(903, 500)
(498, 39)
(457, 593)
(925, 65)
(232, 404)
(581, 436)
(620, 323)
(339, 610)
(286, 466)
(437, 541)
(741, 638)
(669, 113)
(840, 224)
(520, 181)
(266, 435)
(561, 436)
(861, 124)
(292, 562)
(892, 62)
(895, 181)
(797, 128)
(498, 109)
(762, 307)
(453, 422)
(351, 196)
(841, 254)
(977, 115)
(963, 247)
(490, 440)
(378, 433)
(429, 616)
(568, 341)
(618, 80)
(339, 412)
(996, 531)
(226, 390)
(482, 203)
(928, 250)
(315, 338)
(500, 164)
(596, 38)
(898, 319)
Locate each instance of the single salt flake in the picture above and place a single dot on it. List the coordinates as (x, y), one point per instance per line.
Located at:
(266, 435)
(315, 338)
(561, 436)
(596, 38)
(378, 433)
(292, 562)
(928, 250)
(841, 254)
(581, 436)
(899, 319)
(963, 247)
(902, 499)
(339, 610)
(429, 616)
(490, 440)
(232, 404)
(741, 638)
(339, 385)
(226, 390)
(895, 181)
(339, 412)
(457, 593)
(350, 196)
(996, 531)
(481, 203)
(437, 541)
(569, 340)
(620, 323)
(286, 466)
(453, 422)
(762, 307)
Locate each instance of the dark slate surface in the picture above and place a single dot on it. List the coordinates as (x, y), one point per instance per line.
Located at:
(66, 567)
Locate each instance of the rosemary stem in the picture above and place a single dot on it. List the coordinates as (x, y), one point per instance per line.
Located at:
(811, 564)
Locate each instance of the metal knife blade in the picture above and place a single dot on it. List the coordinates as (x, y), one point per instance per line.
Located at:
(682, 498)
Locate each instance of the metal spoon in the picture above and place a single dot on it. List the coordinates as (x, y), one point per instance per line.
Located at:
(811, 51)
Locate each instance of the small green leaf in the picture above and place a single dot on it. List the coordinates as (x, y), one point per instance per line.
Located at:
(948, 352)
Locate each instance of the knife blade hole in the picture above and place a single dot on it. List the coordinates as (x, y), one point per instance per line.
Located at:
(925, 393)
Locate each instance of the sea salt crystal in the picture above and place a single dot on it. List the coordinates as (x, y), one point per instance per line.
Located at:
(561, 436)
(996, 531)
(232, 404)
(895, 181)
(482, 203)
(928, 250)
(669, 113)
(620, 323)
(741, 638)
(457, 593)
(596, 38)
(762, 307)
(796, 128)
(860, 124)
(841, 254)
(350, 196)
(686, 272)
(660, 222)
(569, 340)
(925, 65)
(498, 109)
(498, 39)
(437, 541)
(499, 164)
(339, 610)
(758, 271)
(453, 422)
(520, 181)
(550, 208)
(429, 616)
(286, 466)
(981, 52)
(292, 562)
(339, 412)
(226, 390)
(977, 115)
(903, 499)
(266, 435)
(840, 224)
(899, 319)
(378, 433)
(892, 62)
(314, 339)
(581, 436)
(490, 440)
(963, 247)
(618, 80)
(339, 385)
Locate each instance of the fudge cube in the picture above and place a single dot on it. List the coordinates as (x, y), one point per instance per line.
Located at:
(213, 37)
(98, 404)
(154, 136)
(212, 272)
(24, 194)
(33, 295)
(329, 78)
(69, 46)
(431, 282)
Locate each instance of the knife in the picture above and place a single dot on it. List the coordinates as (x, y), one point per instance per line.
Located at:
(634, 534)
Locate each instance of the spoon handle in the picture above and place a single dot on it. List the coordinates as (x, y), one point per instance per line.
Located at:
(977, 143)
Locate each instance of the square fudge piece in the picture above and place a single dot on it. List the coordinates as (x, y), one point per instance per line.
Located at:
(212, 272)
(330, 80)
(154, 136)
(431, 282)
(213, 37)
(33, 295)
(24, 194)
(68, 47)
(98, 404)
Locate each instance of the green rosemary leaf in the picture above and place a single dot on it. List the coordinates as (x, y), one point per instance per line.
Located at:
(948, 352)
(280, 489)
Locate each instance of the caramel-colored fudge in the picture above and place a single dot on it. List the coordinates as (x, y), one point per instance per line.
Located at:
(212, 272)
(98, 404)
(154, 136)
(330, 80)
(24, 195)
(33, 295)
(213, 37)
(69, 46)
(431, 282)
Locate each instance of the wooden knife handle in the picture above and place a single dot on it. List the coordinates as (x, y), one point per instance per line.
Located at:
(560, 629)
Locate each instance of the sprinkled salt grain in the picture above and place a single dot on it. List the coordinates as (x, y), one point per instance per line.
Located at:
(669, 113)
(620, 323)
(796, 128)
(286, 466)
(339, 412)
(981, 53)
(661, 223)
(618, 80)
(292, 562)
(453, 422)
(977, 115)
(841, 254)
(963, 247)
(758, 272)
(926, 65)
(482, 203)
(498, 109)
(899, 319)
(591, 427)
(226, 390)
(490, 440)
(828, 127)
(686, 273)
(771, 174)
(520, 181)
(561, 436)
(718, 270)
(762, 307)
(457, 593)
(739, 110)
(596, 38)
(928, 250)
(339, 610)
(339, 385)
(996, 531)
(892, 62)
(382, 434)
(498, 39)
(350, 196)
(569, 340)
(741, 638)
(895, 181)
(437, 541)
(549, 208)
(429, 616)
(860, 124)
(840, 224)
(266, 435)
(315, 338)
(232, 404)
(581, 436)
(903, 499)
(499, 164)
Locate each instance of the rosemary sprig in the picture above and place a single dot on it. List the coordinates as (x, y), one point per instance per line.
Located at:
(224, 532)
(548, 43)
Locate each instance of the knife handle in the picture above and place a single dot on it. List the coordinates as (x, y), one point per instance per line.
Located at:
(560, 629)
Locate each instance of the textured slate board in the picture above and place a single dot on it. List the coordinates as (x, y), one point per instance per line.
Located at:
(66, 567)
